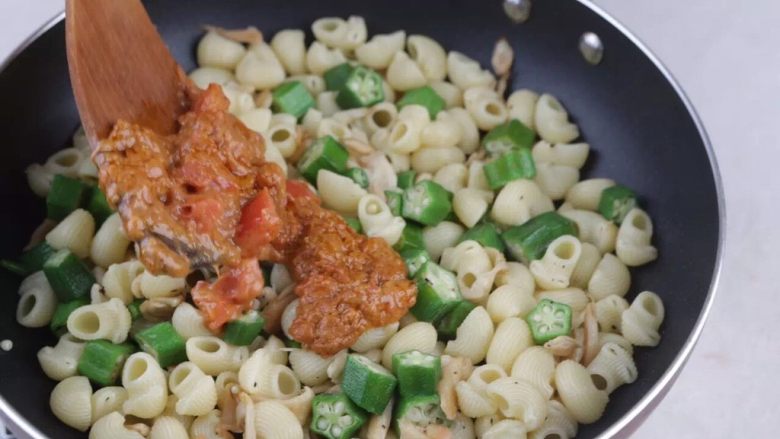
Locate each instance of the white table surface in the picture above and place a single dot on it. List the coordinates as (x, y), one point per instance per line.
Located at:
(725, 54)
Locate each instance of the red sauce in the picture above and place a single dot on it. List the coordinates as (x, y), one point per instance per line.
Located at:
(206, 197)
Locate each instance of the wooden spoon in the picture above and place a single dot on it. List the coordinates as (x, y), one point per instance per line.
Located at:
(120, 68)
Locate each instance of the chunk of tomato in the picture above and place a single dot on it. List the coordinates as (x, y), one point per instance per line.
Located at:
(230, 295)
(260, 224)
(299, 189)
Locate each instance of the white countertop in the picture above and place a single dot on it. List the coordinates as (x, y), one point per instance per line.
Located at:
(726, 56)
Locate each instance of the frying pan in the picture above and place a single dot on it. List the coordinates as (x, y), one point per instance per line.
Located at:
(642, 129)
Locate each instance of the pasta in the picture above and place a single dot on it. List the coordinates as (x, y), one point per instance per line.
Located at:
(453, 177)
(555, 268)
(274, 420)
(472, 403)
(112, 426)
(442, 236)
(118, 279)
(512, 337)
(518, 201)
(520, 400)
(213, 356)
(473, 336)
(418, 336)
(640, 322)
(509, 301)
(571, 155)
(290, 49)
(215, 50)
(147, 390)
(505, 428)
(470, 205)
(404, 74)
(166, 427)
(207, 426)
(443, 131)
(429, 56)
(469, 133)
(433, 158)
(633, 239)
(188, 322)
(109, 244)
(73, 233)
(609, 312)
(109, 321)
(535, 365)
(260, 68)
(522, 106)
(151, 286)
(37, 303)
(466, 73)
(586, 265)
(594, 229)
(107, 400)
(451, 94)
(281, 134)
(610, 277)
(376, 219)
(310, 368)
(552, 121)
(586, 194)
(579, 395)
(71, 402)
(339, 192)
(61, 361)
(556, 180)
(375, 338)
(558, 423)
(612, 367)
(379, 51)
(195, 391)
(517, 275)
(485, 107)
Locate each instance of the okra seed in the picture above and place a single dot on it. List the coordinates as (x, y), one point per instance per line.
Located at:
(322, 423)
(344, 421)
(339, 408)
(336, 430)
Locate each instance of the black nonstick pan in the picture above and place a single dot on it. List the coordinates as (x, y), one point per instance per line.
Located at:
(641, 127)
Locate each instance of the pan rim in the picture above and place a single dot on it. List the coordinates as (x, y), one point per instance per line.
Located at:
(631, 419)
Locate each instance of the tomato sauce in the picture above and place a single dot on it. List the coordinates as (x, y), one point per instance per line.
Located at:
(206, 197)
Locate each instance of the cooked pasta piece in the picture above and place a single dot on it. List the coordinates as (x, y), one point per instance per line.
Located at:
(552, 121)
(326, 103)
(378, 52)
(375, 338)
(511, 338)
(466, 73)
(469, 133)
(452, 95)
(188, 322)
(485, 107)
(288, 316)
(579, 395)
(195, 391)
(39, 179)
(609, 337)
(109, 245)
(377, 221)
(118, 279)
(586, 265)
(61, 361)
(260, 68)
(572, 155)
(472, 337)
(107, 400)
(594, 228)
(150, 286)
(300, 404)
(319, 58)
(147, 389)
(209, 426)
(519, 399)
(483, 423)
(441, 236)
(290, 48)
(404, 136)
(260, 376)
(37, 302)
(609, 311)
(338, 192)
(509, 301)
(380, 116)
(66, 162)
(71, 402)
(112, 426)
(404, 74)
(213, 356)
(640, 322)
(214, 50)
(274, 420)
(310, 368)
(633, 239)
(518, 275)
(586, 194)
(166, 427)
(536, 365)
(554, 270)
(419, 336)
(612, 368)
(519, 201)
(74, 233)
(281, 134)
(429, 55)
(505, 428)
(470, 205)
(108, 321)
(610, 277)
(556, 180)
(522, 106)
(474, 403)
(558, 423)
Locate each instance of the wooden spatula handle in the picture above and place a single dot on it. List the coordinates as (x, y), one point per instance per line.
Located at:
(120, 68)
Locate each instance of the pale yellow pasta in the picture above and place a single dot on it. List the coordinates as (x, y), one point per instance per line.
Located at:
(150, 286)
(66, 162)
(509, 301)
(280, 278)
(477, 179)
(586, 194)
(521, 105)
(483, 423)
(71, 403)
(275, 421)
(290, 48)
(87, 169)
(339, 362)
(37, 302)
(188, 321)
(511, 338)
(147, 389)
(209, 426)
(612, 368)
(468, 254)
(519, 201)
(517, 275)
(462, 427)
(118, 279)
(203, 76)
(109, 245)
(331, 31)
(108, 321)
(473, 403)
(195, 391)
(214, 50)
(213, 356)
(594, 228)
(536, 365)
(609, 311)
(310, 368)
(640, 322)
(441, 236)
(419, 336)
(452, 95)
(277, 351)
(107, 400)
(282, 133)
(319, 58)
(552, 121)
(633, 239)
(380, 116)
(472, 337)
(311, 121)
(466, 73)
(374, 338)
(375, 355)
(288, 316)
(470, 205)
(574, 297)
(377, 221)
(444, 131)
(257, 119)
(608, 337)
(586, 265)
(339, 192)
(610, 277)
(315, 84)
(404, 74)
(578, 394)
(74, 233)
(61, 361)
(112, 426)
(240, 97)
(519, 399)
(378, 426)
(572, 155)
(429, 55)
(469, 133)
(558, 424)
(487, 109)
(260, 68)
(475, 282)
(405, 135)
(378, 52)
(261, 376)
(505, 429)
(433, 158)
(299, 404)
(39, 179)
(453, 177)
(166, 427)
(556, 180)
(554, 269)
(326, 104)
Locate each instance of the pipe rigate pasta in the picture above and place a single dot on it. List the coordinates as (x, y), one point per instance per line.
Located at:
(107, 400)
(594, 228)
(536, 365)
(633, 239)
(466, 73)
(37, 302)
(109, 321)
(519, 201)
(118, 279)
(290, 48)
(71, 403)
(420, 336)
(147, 389)
(556, 180)
(203, 76)
(375, 338)
(109, 245)
(506, 428)
(440, 237)
(260, 68)
(554, 270)
(188, 322)
(443, 131)
(590, 256)
(196, 391)
(578, 394)
(429, 56)
(453, 177)
(509, 301)
(404, 74)
(473, 403)
(519, 399)
(609, 312)
(74, 233)
(573, 155)
(214, 50)
(486, 108)
(472, 337)
(378, 52)
(522, 106)
(586, 194)
(213, 356)
(518, 275)
(552, 121)
(452, 95)
(112, 426)
(377, 221)
(640, 322)
(208, 426)
(320, 58)
(609, 337)
(559, 423)
(511, 338)
(166, 427)
(61, 361)
(310, 368)
(151, 286)
(470, 205)
(612, 367)
(610, 277)
(339, 192)
(274, 420)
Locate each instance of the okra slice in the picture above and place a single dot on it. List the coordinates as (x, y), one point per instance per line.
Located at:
(411, 238)
(414, 258)
(98, 206)
(418, 373)
(427, 202)
(406, 179)
(65, 196)
(362, 88)
(102, 361)
(394, 199)
(486, 234)
(336, 77)
(437, 292)
(367, 384)
(508, 136)
(34, 258)
(616, 202)
(135, 309)
(292, 98)
(68, 276)
(549, 320)
(242, 331)
(529, 240)
(358, 175)
(335, 416)
(424, 96)
(324, 153)
(420, 411)
(163, 343)
(353, 223)
(448, 326)
(513, 165)
(60, 318)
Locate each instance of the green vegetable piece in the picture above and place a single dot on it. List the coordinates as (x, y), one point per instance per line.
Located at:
(411, 238)
(14, 267)
(34, 258)
(529, 240)
(437, 292)
(64, 196)
(243, 331)
(358, 175)
(163, 343)
(354, 223)
(290, 343)
(549, 320)
(335, 416)
(418, 373)
(362, 88)
(414, 258)
(336, 77)
(394, 201)
(102, 361)
(510, 166)
(487, 234)
(68, 276)
(60, 318)
(292, 98)
(98, 206)
(420, 411)
(426, 202)
(406, 179)
(448, 326)
(367, 384)
(135, 309)
(324, 153)
(507, 137)
(616, 202)
(424, 96)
